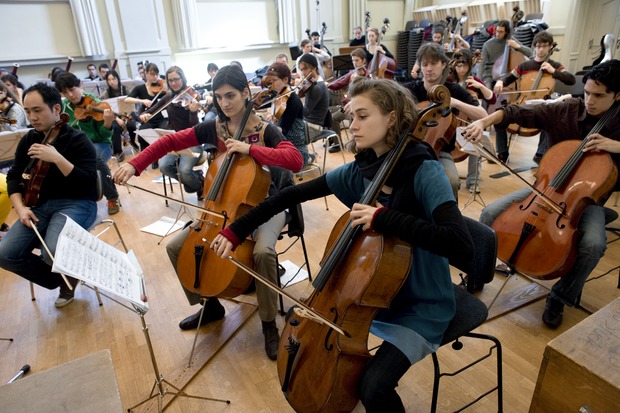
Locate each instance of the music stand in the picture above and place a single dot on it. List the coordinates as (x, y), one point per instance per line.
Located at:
(342, 63)
(111, 270)
(294, 51)
(472, 150)
(8, 143)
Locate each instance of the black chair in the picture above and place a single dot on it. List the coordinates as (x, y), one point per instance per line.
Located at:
(294, 228)
(471, 313)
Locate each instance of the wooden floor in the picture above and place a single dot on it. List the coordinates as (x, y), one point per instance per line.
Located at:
(240, 371)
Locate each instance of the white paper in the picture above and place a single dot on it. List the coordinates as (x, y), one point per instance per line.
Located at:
(293, 274)
(81, 255)
(165, 225)
(151, 135)
(467, 146)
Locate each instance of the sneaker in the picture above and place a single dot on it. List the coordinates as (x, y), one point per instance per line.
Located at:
(214, 311)
(113, 206)
(554, 312)
(311, 158)
(4, 228)
(537, 159)
(270, 330)
(155, 165)
(474, 188)
(65, 295)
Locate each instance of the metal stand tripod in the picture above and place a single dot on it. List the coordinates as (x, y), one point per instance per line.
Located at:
(476, 193)
(158, 390)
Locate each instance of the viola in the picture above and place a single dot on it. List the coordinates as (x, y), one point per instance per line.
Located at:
(538, 236)
(232, 186)
(90, 109)
(6, 119)
(311, 355)
(36, 170)
(306, 84)
(186, 97)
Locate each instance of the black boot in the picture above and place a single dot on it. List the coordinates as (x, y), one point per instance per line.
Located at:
(554, 311)
(270, 330)
(213, 311)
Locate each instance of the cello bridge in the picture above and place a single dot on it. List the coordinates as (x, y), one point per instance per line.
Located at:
(301, 312)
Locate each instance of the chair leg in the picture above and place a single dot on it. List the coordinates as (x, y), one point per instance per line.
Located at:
(279, 282)
(303, 248)
(32, 297)
(500, 383)
(344, 161)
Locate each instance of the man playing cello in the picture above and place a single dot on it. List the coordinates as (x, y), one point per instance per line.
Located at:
(569, 119)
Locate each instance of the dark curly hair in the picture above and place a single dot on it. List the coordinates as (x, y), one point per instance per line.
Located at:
(607, 73)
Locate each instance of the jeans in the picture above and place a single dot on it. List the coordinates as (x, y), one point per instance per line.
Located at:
(377, 387)
(189, 179)
(590, 246)
(104, 153)
(16, 246)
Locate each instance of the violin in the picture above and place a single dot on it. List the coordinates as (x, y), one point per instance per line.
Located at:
(90, 109)
(184, 98)
(306, 84)
(311, 355)
(6, 119)
(157, 87)
(232, 186)
(35, 171)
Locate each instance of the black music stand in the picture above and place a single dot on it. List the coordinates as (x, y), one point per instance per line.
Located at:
(295, 52)
(342, 63)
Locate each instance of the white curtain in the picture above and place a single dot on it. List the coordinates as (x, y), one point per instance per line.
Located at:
(288, 29)
(88, 27)
(186, 23)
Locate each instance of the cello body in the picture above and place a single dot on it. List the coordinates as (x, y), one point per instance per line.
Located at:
(528, 82)
(535, 240)
(244, 185)
(360, 294)
(383, 66)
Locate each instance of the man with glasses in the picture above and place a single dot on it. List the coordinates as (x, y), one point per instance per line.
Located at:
(543, 41)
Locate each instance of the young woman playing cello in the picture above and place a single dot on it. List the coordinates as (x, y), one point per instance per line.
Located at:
(416, 205)
(260, 140)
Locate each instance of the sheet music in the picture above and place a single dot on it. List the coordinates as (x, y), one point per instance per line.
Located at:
(151, 135)
(81, 255)
(469, 147)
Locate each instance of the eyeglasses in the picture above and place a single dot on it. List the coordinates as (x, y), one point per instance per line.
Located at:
(174, 79)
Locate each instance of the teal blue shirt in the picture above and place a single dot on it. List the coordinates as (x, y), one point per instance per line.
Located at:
(425, 304)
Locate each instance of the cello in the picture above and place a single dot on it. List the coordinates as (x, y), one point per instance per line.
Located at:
(381, 65)
(538, 236)
(328, 69)
(361, 272)
(235, 184)
(539, 86)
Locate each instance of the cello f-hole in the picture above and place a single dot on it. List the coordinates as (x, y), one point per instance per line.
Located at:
(326, 344)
